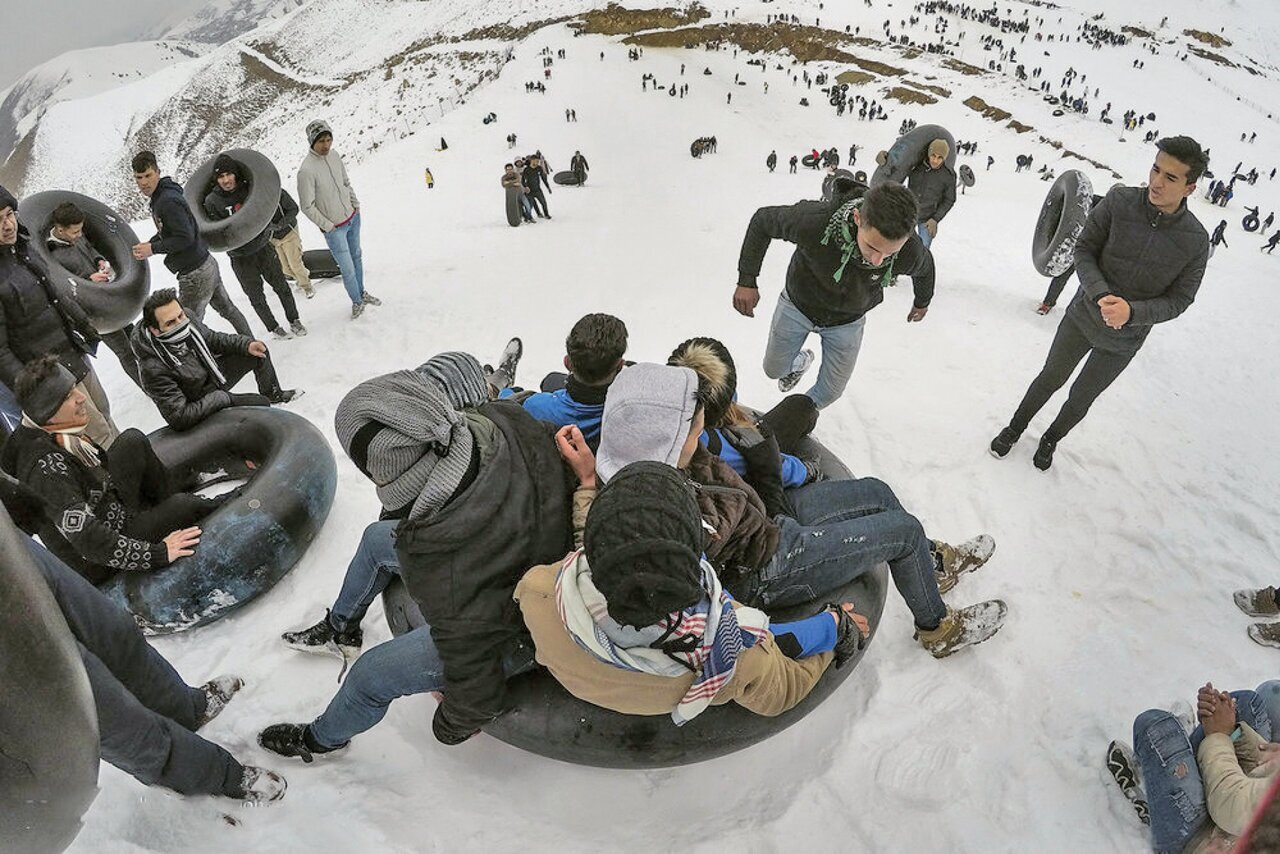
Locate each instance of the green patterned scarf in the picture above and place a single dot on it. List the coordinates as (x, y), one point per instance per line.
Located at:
(839, 227)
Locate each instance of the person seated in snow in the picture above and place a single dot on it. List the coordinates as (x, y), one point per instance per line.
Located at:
(68, 245)
(115, 511)
(617, 621)
(934, 184)
(453, 468)
(652, 413)
(255, 263)
(188, 369)
(1198, 792)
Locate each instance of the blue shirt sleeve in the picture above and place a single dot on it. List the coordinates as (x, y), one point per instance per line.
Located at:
(793, 471)
(816, 634)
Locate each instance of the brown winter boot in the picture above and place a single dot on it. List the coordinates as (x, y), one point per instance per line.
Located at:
(950, 562)
(963, 628)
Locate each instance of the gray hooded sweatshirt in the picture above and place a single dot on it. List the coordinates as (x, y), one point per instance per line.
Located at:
(647, 416)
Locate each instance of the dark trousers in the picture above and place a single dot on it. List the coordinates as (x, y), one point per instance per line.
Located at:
(1056, 284)
(791, 420)
(146, 713)
(143, 485)
(260, 267)
(1100, 370)
(234, 368)
(538, 201)
(118, 341)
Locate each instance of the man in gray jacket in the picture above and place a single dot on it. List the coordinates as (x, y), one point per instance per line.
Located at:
(327, 198)
(1140, 260)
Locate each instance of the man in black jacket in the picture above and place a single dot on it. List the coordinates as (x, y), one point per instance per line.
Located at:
(534, 178)
(185, 252)
(189, 369)
(1140, 259)
(288, 243)
(256, 262)
(848, 251)
(934, 184)
(34, 321)
(578, 165)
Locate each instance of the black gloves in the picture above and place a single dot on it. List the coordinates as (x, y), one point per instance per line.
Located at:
(764, 463)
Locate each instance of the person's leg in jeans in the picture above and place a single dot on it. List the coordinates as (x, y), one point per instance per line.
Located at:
(118, 342)
(336, 238)
(273, 274)
(1056, 284)
(357, 254)
(250, 279)
(371, 569)
(1068, 348)
(840, 346)
(925, 237)
(787, 333)
(195, 289)
(1099, 371)
(1171, 780)
(101, 428)
(1269, 696)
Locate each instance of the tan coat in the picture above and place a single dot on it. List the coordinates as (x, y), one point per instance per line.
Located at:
(1234, 785)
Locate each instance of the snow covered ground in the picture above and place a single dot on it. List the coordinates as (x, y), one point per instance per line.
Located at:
(1117, 564)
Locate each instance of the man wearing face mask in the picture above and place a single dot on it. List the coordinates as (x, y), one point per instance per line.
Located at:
(848, 250)
(189, 369)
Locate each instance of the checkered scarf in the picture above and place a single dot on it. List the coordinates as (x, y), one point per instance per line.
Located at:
(838, 227)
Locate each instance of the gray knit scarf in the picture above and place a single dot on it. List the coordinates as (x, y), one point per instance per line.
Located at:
(838, 227)
(169, 347)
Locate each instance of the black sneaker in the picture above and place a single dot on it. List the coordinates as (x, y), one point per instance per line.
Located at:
(1124, 770)
(1002, 444)
(293, 740)
(287, 395)
(218, 692)
(799, 365)
(1044, 454)
(324, 638)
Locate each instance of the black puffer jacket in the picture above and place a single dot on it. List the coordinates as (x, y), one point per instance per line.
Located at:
(186, 394)
(35, 320)
(1153, 260)
(79, 258)
(809, 277)
(462, 564)
(934, 189)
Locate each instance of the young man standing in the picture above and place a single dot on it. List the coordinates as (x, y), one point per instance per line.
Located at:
(934, 184)
(1140, 260)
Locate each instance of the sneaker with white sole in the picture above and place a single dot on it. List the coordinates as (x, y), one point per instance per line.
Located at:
(369, 299)
(505, 375)
(1257, 603)
(963, 628)
(261, 786)
(218, 692)
(279, 333)
(357, 310)
(1266, 634)
(953, 561)
(1124, 770)
(801, 364)
(298, 328)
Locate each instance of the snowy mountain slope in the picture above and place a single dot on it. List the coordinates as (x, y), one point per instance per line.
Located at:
(220, 21)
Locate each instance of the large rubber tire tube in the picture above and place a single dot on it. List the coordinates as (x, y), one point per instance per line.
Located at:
(910, 149)
(828, 183)
(548, 720)
(110, 305)
(253, 540)
(48, 724)
(249, 224)
(1250, 222)
(1062, 219)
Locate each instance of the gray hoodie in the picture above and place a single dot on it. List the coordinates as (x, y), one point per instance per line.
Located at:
(647, 416)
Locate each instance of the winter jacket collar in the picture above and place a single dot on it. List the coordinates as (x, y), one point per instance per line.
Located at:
(587, 395)
(1158, 218)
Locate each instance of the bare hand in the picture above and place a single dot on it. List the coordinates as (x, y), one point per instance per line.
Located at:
(1268, 752)
(1115, 311)
(1216, 710)
(573, 448)
(142, 251)
(917, 314)
(745, 301)
(864, 626)
(257, 348)
(99, 276)
(182, 542)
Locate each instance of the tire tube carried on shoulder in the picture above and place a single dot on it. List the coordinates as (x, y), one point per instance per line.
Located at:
(808, 160)
(1061, 221)
(966, 175)
(547, 720)
(910, 149)
(256, 537)
(110, 305)
(251, 221)
(1251, 223)
(49, 744)
(829, 182)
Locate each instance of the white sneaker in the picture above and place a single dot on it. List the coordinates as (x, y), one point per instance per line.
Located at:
(798, 367)
(218, 692)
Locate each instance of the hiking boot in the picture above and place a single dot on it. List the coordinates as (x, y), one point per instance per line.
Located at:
(287, 395)
(369, 299)
(357, 310)
(1003, 443)
(1124, 770)
(1266, 634)
(1257, 603)
(801, 364)
(963, 628)
(261, 786)
(324, 638)
(279, 332)
(1044, 308)
(1044, 454)
(293, 740)
(298, 328)
(505, 375)
(953, 561)
(218, 692)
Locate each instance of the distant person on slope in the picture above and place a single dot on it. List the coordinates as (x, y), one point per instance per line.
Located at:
(934, 184)
(847, 252)
(511, 179)
(1219, 237)
(178, 239)
(578, 166)
(534, 177)
(1140, 258)
(794, 161)
(771, 161)
(327, 198)
(1271, 244)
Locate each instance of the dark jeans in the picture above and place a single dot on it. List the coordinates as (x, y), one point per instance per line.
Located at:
(539, 202)
(1056, 284)
(201, 288)
(118, 341)
(1100, 370)
(143, 485)
(257, 268)
(234, 369)
(146, 713)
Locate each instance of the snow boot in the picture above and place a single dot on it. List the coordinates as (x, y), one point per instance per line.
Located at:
(1124, 770)
(293, 740)
(1266, 634)
(505, 375)
(1257, 603)
(953, 561)
(369, 299)
(1043, 458)
(261, 786)
(1003, 443)
(966, 627)
(801, 364)
(298, 328)
(325, 639)
(218, 692)
(280, 334)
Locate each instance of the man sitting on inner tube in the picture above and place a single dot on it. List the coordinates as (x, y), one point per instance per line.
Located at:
(188, 370)
(934, 184)
(781, 560)
(116, 512)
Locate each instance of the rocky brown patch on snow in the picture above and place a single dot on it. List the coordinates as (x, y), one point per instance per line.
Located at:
(1210, 39)
(614, 20)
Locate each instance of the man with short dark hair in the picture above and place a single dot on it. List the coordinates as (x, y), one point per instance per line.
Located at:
(178, 239)
(1140, 260)
(189, 369)
(848, 250)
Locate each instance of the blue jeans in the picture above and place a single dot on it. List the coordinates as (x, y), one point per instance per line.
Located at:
(925, 237)
(1171, 777)
(842, 529)
(526, 207)
(344, 243)
(840, 345)
(371, 569)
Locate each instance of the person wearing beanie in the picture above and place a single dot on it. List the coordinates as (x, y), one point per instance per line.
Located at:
(326, 196)
(934, 184)
(847, 251)
(185, 252)
(473, 497)
(116, 511)
(35, 320)
(255, 263)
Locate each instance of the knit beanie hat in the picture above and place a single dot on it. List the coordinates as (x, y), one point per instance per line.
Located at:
(225, 164)
(7, 200)
(459, 377)
(644, 544)
(713, 364)
(939, 148)
(317, 129)
(406, 437)
(41, 400)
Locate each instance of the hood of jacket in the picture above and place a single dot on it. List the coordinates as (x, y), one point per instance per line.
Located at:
(646, 416)
(166, 187)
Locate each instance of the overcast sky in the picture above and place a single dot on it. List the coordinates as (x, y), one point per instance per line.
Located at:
(37, 30)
